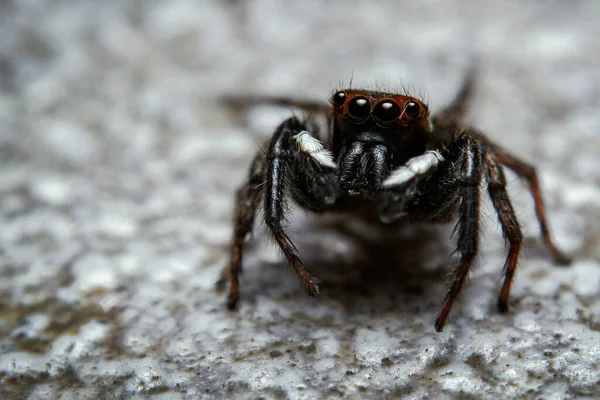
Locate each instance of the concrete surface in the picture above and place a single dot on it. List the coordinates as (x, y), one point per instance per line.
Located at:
(116, 189)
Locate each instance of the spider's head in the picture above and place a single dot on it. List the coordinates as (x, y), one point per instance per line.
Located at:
(373, 133)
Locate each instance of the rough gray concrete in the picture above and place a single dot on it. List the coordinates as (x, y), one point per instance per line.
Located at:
(116, 189)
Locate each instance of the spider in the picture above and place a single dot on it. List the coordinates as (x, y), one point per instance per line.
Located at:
(383, 152)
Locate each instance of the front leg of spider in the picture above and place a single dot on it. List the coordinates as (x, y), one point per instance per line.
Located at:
(293, 157)
(431, 188)
(452, 118)
(467, 153)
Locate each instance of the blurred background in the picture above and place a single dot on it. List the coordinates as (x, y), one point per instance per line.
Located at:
(118, 167)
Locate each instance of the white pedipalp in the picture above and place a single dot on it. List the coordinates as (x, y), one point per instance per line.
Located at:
(415, 167)
(314, 148)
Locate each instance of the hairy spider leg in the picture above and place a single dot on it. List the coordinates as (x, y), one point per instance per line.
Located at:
(455, 112)
(508, 221)
(451, 118)
(247, 200)
(468, 154)
(244, 102)
(442, 182)
(295, 155)
(528, 172)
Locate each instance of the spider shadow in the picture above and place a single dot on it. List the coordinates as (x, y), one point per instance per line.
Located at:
(367, 267)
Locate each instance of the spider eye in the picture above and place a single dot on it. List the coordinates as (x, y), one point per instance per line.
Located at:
(386, 112)
(339, 98)
(412, 109)
(359, 109)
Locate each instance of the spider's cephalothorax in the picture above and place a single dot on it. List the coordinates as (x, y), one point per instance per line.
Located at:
(383, 152)
(375, 133)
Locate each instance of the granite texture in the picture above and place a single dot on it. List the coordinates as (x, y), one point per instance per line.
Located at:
(116, 190)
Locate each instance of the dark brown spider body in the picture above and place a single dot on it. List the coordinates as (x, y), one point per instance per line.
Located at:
(382, 151)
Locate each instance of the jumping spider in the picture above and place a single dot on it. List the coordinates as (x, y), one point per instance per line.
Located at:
(382, 152)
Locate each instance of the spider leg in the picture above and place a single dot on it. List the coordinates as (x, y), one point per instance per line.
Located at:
(294, 154)
(508, 220)
(528, 172)
(451, 184)
(244, 102)
(450, 120)
(247, 199)
(468, 221)
(453, 114)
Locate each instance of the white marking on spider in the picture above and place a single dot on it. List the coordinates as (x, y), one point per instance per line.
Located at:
(314, 148)
(469, 161)
(415, 167)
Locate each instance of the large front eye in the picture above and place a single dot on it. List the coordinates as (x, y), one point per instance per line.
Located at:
(412, 109)
(339, 98)
(359, 109)
(386, 112)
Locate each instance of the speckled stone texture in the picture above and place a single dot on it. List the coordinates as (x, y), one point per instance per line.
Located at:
(118, 168)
